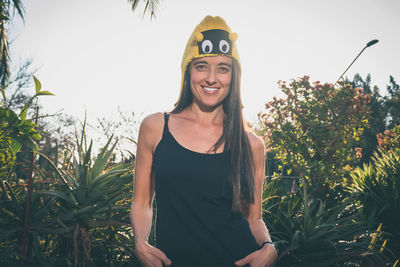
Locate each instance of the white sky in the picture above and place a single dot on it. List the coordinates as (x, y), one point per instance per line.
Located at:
(99, 55)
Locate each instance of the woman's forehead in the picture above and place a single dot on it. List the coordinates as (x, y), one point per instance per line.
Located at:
(213, 59)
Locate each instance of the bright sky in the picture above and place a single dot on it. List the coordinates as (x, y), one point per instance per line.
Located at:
(99, 55)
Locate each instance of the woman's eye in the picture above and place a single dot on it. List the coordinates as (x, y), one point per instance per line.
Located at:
(223, 70)
(201, 67)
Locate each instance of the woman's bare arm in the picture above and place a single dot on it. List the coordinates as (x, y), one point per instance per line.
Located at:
(253, 212)
(142, 203)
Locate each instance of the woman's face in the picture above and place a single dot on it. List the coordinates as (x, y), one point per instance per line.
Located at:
(210, 79)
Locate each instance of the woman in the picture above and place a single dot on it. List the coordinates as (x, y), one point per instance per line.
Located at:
(204, 168)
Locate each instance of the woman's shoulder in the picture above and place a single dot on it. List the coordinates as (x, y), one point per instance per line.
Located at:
(256, 142)
(152, 127)
(153, 120)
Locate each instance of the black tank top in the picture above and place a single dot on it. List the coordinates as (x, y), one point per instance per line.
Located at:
(195, 224)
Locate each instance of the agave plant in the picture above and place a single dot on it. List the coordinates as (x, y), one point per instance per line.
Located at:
(92, 213)
(12, 217)
(309, 233)
(80, 217)
(376, 188)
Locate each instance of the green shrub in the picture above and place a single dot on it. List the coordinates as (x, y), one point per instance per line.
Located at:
(79, 213)
(376, 187)
(7, 158)
(309, 233)
(313, 129)
(91, 211)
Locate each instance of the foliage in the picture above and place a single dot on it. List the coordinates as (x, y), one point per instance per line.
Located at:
(17, 130)
(19, 84)
(151, 7)
(7, 158)
(92, 207)
(80, 212)
(6, 6)
(376, 186)
(12, 217)
(309, 233)
(313, 130)
(392, 102)
(377, 117)
(390, 139)
(79, 206)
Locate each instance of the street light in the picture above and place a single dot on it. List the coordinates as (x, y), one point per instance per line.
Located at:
(370, 43)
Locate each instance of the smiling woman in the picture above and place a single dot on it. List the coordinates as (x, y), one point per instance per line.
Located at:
(203, 166)
(210, 80)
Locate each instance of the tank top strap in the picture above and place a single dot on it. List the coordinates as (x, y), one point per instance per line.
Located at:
(166, 118)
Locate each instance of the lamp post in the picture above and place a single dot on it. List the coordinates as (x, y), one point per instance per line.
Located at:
(370, 43)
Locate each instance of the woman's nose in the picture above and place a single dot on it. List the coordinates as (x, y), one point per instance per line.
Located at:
(210, 79)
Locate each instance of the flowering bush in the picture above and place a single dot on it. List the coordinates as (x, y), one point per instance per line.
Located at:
(390, 139)
(315, 128)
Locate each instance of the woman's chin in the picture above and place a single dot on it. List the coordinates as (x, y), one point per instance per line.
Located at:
(209, 106)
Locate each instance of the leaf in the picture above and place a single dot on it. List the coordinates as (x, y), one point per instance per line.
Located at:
(43, 93)
(28, 141)
(98, 180)
(3, 17)
(15, 146)
(58, 171)
(40, 212)
(102, 159)
(23, 113)
(38, 85)
(4, 95)
(10, 192)
(134, 4)
(58, 194)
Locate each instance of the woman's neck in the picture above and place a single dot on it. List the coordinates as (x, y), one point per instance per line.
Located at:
(203, 116)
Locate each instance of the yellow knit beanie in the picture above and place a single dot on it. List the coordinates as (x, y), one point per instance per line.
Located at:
(212, 37)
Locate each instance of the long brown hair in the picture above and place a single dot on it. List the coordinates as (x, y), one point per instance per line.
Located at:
(234, 136)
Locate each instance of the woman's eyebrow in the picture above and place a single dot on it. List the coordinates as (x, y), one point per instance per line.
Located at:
(225, 64)
(200, 62)
(205, 62)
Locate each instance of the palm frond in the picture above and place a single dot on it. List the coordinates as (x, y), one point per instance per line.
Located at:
(5, 7)
(19, 7)
(151, 7)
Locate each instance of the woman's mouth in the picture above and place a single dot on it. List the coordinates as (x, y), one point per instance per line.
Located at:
(210, 90)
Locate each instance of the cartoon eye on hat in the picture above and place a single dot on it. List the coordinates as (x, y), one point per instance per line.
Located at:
(206, 46)
(224, 46)
(214, 42)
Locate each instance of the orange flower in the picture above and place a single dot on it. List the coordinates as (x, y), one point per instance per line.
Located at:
(359, 90)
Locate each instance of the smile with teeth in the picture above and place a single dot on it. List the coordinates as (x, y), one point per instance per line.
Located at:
(210, 90)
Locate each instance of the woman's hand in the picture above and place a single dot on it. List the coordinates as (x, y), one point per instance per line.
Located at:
(264, 257)
(151, 256)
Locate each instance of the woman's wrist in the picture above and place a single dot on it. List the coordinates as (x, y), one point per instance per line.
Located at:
(141, 244)
(270, 244)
